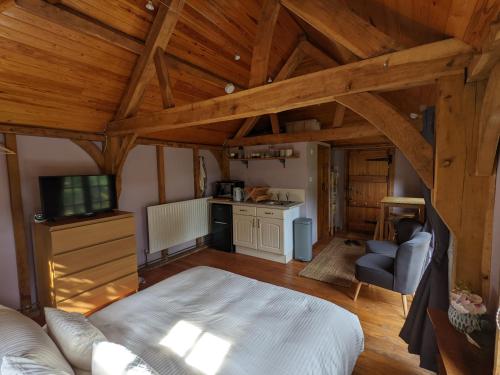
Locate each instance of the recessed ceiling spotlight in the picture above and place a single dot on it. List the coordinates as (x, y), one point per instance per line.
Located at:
(269, 80)
(229, 89)
(237, 57)
(414, 116)
(150, 6)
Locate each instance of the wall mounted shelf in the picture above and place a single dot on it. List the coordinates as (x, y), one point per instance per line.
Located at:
(281, 159)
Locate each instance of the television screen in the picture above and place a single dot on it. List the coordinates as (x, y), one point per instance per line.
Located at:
(63, 196)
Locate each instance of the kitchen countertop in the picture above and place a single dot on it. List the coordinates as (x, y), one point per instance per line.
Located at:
(250, 204)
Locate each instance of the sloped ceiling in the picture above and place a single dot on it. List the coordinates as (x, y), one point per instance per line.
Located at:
(55, 77)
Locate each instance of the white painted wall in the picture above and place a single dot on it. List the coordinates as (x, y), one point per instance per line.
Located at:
(295, 176)
(406, 181)
(50, 156)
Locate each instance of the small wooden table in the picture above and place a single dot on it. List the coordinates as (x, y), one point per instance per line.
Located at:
(456, 355)
(401, 202)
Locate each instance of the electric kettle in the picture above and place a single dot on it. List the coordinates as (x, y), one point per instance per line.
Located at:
(237, 194)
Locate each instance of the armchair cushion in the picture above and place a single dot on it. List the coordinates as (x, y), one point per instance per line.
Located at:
(376, 269)
(387, 248)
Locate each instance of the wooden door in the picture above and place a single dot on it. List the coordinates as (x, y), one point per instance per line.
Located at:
(270, 235)
(324, 156)
(369, 179)
(244, 231)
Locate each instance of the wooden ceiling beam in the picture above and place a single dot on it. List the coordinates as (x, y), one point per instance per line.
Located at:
(92, 150)
(489, 125)
(6, 4)
(159, 36)
(482, 64)
(275, 123)
(263, 40)
(412, 67)
(286, 70)
(79, 22)
(338, 116)
(395, 126)
(163, 78)
(336, 21)
(166, 143)
(49, 132)
(325, 135)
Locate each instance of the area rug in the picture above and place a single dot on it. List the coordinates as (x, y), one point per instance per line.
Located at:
(335, 264)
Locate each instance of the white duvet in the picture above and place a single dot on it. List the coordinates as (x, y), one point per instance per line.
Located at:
(208, 321)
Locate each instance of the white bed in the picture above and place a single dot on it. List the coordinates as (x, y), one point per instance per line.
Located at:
(209, 321)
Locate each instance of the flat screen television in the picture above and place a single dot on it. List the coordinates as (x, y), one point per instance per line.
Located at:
(66, 196)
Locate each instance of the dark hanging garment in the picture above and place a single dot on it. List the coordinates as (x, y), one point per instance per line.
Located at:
(433, 289)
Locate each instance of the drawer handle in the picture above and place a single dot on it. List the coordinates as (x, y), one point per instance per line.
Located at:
(269, 213)
(241, 210)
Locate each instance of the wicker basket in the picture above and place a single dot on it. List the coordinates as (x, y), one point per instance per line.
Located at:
(465, 323)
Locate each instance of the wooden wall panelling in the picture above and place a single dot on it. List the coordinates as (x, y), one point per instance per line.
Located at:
(415, 66)
(489, 125)
(465, 204)
(334, 19)
(159, 36)
(92, 150)
(17, 212)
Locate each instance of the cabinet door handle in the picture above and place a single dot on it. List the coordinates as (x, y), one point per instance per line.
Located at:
(258, 223)
(268, 213)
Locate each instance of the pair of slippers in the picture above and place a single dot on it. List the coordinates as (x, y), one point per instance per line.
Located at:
(352, 243)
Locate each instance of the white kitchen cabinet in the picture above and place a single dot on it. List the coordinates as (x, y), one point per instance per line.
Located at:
(264, 232)
(270, 235)
(244, 231)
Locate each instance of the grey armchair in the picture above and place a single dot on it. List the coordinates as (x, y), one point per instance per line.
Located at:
(401, 273)
(405, 230)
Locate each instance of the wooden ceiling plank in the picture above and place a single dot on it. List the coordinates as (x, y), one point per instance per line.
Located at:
(6, 4)
(415, 66)
(287, 69)
(324, 135)
(159, 36)
(163, 78)
(318, 55)
(263, 40)
(395, 126)
(80, 23)
(275, 123)
(489, 125)
(336, 21)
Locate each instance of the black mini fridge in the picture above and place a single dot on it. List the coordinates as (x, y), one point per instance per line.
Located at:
(222, 227)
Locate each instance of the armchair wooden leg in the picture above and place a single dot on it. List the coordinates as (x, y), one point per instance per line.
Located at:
(405, 305)
(358, 288)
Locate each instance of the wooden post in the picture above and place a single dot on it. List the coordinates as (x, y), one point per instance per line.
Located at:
(196, 179)
(160, 167)
(463, 200)
(17, 212)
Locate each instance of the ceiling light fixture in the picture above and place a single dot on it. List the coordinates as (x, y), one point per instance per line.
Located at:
(229, 89)
(269, 80)
(237, 57)
(414, 116)
(150, 6)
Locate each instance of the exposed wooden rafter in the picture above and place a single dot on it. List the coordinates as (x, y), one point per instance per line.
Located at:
(159, 36)
(275, 123)
(6, 150)
(489, 125)
(325, 135)
(48, 132)
(415, 66)
(79, 22)
(483, 63)
(163, 78)
(338, 116)
(395, 126)
(92, 150)
(263, 40)
(336, 21)
(286, 70)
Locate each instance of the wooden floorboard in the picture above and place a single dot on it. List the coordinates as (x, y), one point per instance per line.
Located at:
(379, 311)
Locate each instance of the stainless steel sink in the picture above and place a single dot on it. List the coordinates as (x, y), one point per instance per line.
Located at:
(278, 203)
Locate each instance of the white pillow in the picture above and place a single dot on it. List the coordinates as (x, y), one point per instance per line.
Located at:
(74, 335)
(22, 337)
(26, 366)
(114, 359)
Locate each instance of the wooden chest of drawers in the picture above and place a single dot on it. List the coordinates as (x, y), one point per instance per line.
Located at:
(84, 264)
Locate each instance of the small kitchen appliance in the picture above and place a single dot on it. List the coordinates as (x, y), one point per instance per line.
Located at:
(224, 189)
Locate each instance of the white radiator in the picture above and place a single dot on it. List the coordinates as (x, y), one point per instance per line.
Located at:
(176, 223)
